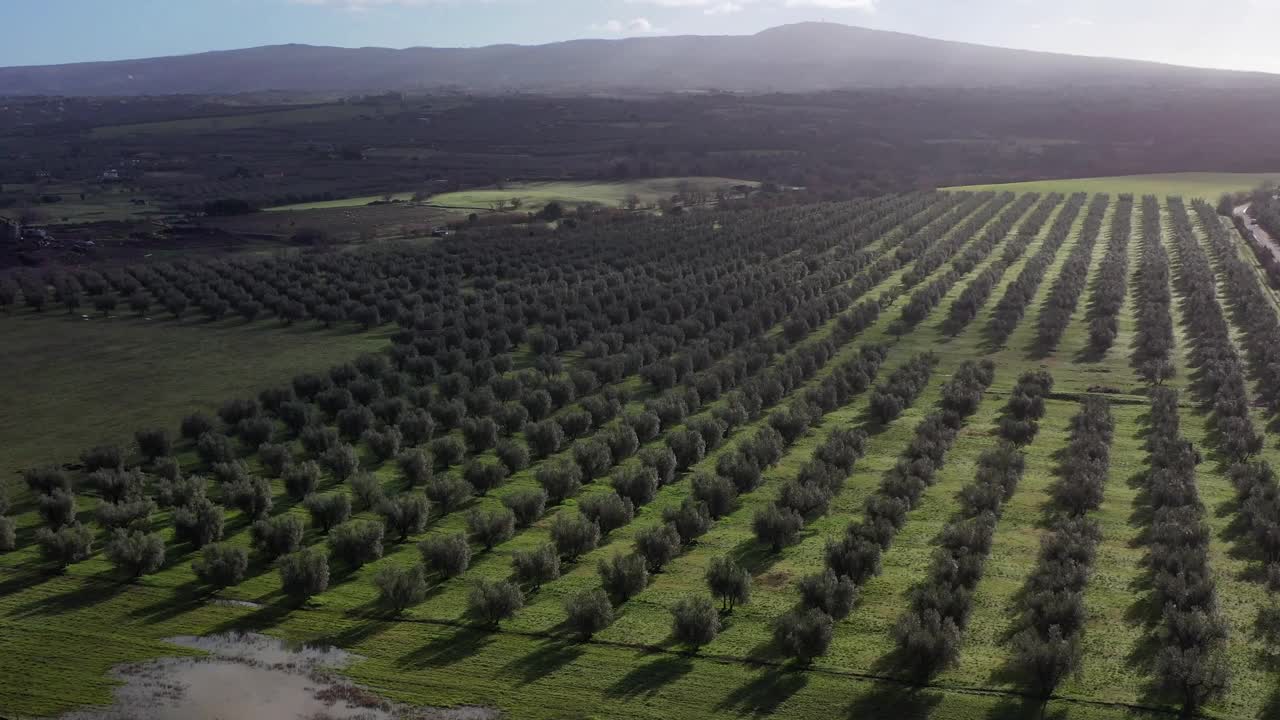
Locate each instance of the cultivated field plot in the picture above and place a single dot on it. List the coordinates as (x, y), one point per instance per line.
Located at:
(1207, 186)
(942, 455)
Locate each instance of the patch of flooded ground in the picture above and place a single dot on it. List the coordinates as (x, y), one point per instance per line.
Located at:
(247, 676)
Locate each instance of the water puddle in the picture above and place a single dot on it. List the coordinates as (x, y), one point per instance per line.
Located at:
(254, 677)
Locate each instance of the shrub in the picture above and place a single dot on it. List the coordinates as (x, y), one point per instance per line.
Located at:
(538, 566)
(195, 425)
(560, 478)
(366, 491)
(694, 621)
(199, 522)
(728, 582)
(43, 481)
(406, 514)
(528, 506)
(356, 542)
(484, 475)
(803, 635)
(492, 602)
(623, 576)
(415, 467)
(573, 535)
(691, 520)
(153, 442)
(66, 545)
(447, 450)
(400, 587)
(304, 574)
(221, 565)
(328, 511)
(492, 527)
(831, 594)
(125, 514)
(658, 545)
(278, 536)
(251, 496)
(717, 493)
(136, 553)
(448, 492)
(513, 455)
(214, 447)
(776, 526)
(102, 457)
(448, 555)
(57, 508)
(608, 511)
(589, 612)
(341, 460)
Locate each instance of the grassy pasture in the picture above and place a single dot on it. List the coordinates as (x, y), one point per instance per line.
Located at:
(632, 670)
(534, 195)
(1189, 185)
(240, 121)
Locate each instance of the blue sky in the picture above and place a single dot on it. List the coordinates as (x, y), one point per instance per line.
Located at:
(1227, 33)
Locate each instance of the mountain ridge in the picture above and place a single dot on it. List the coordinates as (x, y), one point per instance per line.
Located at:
(797, 57)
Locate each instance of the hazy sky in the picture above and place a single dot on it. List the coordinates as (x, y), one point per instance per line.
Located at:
(1226, 33)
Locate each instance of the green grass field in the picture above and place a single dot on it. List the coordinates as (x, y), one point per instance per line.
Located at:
(535, 195)
(1209, 186)
(75, 627)
(94, 381)
(267, 119)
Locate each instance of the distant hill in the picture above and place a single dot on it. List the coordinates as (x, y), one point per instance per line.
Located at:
(793, 58)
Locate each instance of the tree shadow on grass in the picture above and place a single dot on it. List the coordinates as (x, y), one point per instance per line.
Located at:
(446, 649)
(892, 700)
(1025, 708)
(646, 680)
(547, 658)
(185, 598)
(764, 694)
(85, 593)
(264, 618)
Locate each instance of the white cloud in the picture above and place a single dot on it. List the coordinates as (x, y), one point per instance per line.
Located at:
(864, 5)
(724, 7)
(634, 26)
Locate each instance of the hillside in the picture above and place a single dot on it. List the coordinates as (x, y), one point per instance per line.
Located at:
(801, 57)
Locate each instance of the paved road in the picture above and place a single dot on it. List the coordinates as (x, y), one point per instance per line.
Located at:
(1262, 236)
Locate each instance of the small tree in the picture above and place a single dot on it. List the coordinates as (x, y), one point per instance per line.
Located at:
(67, 545)
(136, 553)
(831, 594)
(199, 522)
(448, 555)
(356, 542)
(607, 510)
(484, 475)
(561, 478)
(251, 496)
(44, 481)
(301, 480)
(492, 527)
(694, 621)
(406, 514)
(691, 520)
(537, 566)
(277, 461)
(589, 612)
(448, 492)
(278, 536)
(803, 634)
(57, 509)
(195, 425)
(342, 461)
(153, 443)
(305, 574)
(729, 582)
(415, 466)
(221, 565)
(623, 576)
(366, 490)
(513, 455)
(492, 602)
(658, 545)
(102, 457)
(527, 505)
(328, 511)
(574, 535)
(776, 526)
(399, 587)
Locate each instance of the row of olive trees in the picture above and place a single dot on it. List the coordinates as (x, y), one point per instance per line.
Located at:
(928, 634)
(1111, 283)
(1019, 293)
(1064, 295)
(978, 291)
(1153, 346)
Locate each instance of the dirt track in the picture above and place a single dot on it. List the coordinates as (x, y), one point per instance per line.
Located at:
(1262, 236)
